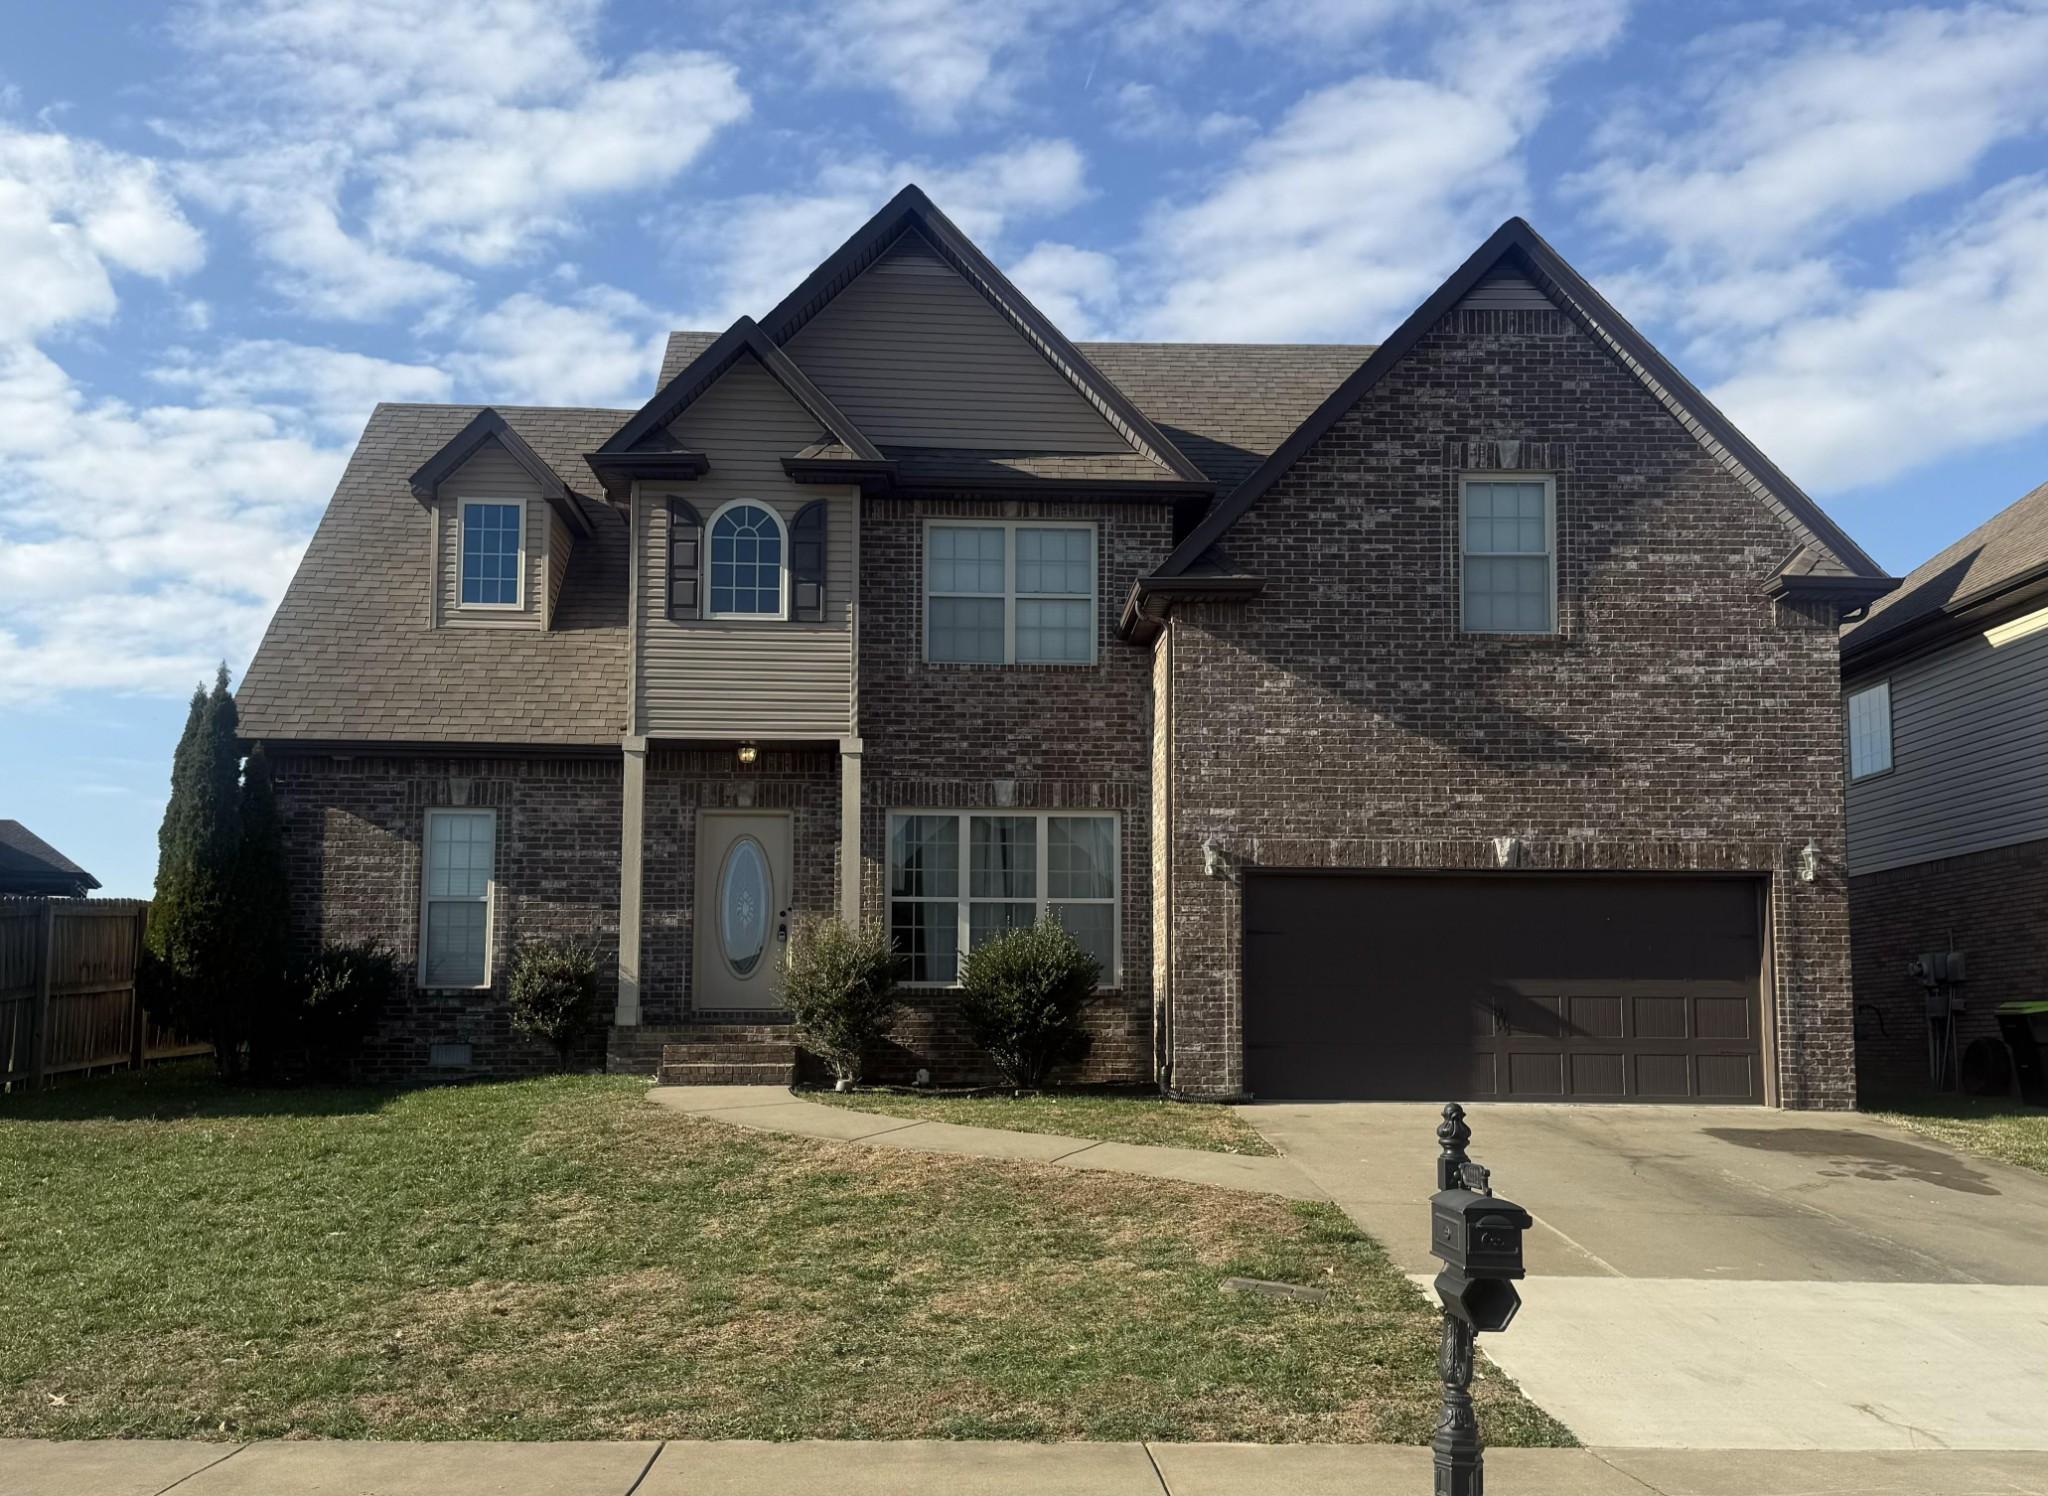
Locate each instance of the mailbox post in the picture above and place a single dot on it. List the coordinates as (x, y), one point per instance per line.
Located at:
(1478, 1237)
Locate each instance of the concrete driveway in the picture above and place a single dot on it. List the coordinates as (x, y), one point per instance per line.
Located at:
(1732, 1278)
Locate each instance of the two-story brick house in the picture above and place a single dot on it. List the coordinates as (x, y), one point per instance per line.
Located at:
(1458, 717)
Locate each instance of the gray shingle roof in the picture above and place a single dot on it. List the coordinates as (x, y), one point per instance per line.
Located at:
(349, 656)
(1227, 405)
(682, 348)
(24, 856)
(2006, 547)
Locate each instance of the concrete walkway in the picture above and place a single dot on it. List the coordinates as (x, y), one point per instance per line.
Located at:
(142, 1467)
(775, 1109)
(1716, 1278)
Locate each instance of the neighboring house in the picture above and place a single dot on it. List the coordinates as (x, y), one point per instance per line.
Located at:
(1945, 685)
(31, 866)
(1446, 719)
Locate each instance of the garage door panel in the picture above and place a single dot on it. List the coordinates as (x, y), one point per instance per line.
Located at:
(1404, 986)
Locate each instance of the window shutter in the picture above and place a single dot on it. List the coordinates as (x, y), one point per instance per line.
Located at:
(685, 559)
(807, 562)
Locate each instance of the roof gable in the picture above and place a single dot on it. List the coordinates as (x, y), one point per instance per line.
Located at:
(922, 359)
(1513, 258)
(489, 426)
(646, 447)
(938, 246)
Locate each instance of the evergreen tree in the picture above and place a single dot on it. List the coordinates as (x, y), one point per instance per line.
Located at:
(263, 912)
(190, 942)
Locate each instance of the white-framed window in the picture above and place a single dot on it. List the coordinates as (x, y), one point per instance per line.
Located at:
(1507, 555)
(492, 540)
(1009, 593)
(749, 561)
(457, 883)
(1870, 730)
(956, 878)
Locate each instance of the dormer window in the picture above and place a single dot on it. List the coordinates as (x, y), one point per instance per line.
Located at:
(493, 553)
(748, 553)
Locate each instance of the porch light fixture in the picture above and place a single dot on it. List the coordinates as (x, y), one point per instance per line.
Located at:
(1212, 858)
(1809, 862)
(748, 753)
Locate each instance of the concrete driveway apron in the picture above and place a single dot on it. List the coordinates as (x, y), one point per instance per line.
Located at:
(1724, 1278)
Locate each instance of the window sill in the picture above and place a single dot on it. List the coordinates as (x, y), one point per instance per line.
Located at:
(1071, 667)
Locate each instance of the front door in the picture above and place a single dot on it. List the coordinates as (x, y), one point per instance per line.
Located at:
(743, 897)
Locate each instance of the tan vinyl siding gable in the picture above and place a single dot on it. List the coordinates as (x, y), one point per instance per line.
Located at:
(917, 357)
(493, 474)
(1969, 756)
(560, 544)
(769, 678)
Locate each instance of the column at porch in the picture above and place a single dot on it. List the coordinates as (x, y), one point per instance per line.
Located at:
(632, 826)
(849, 831)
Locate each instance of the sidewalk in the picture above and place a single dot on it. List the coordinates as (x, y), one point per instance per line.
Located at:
(776, 1109)
(741, 1468)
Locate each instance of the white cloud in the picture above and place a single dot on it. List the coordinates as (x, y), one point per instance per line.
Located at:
(940, 58)
(367, 140)
(291, 382)
(1946, 359)
(603, 348)
(1347, 212)
(72, 212)
(1789, 139)
(756, 249)
(1077, 288)
(139, 545)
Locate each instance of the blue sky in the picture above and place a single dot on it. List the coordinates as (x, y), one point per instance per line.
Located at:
(227, 228)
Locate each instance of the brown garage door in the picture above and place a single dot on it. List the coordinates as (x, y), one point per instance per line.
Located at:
(1526, 987)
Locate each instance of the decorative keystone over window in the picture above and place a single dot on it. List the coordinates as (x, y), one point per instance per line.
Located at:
(998, 594)
(1870, 730)
(1508, 556)
(1019, 867)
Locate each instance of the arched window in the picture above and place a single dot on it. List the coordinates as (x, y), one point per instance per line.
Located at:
(748, 553)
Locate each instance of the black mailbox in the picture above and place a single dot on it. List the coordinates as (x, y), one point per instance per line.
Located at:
(1479, 1235)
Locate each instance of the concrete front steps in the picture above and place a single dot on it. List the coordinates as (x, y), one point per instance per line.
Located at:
(706, 1054)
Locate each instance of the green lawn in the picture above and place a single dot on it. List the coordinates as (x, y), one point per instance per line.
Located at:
(558, 1259)
(1111, 1119)
(2003, 1130)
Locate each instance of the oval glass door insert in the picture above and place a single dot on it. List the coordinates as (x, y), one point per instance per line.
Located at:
(743, 900)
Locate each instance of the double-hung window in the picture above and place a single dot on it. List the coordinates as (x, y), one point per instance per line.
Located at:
(1508, 556)
(1010, 594)
(493, 552)
(455, 924)
(957, 879)
(1870, 730)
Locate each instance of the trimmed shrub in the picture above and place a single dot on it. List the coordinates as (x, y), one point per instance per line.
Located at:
(839, 985)
(553, 992)
(1021, 995)
(344, 991)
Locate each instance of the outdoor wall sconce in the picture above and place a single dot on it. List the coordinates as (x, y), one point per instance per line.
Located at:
(1809, 862)
(1212, 858)
(748, 753)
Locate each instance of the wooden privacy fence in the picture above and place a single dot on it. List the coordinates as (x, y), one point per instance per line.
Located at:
(67, 989)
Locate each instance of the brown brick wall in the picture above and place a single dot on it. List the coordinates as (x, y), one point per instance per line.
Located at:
(1022, 736)
(1677, 720)
(352, 830)
(1990, 905)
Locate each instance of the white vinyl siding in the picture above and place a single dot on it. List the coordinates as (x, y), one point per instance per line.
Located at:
(1009, 594)
(957, 879)
(455, 917)
(1507, 556)
(1870, 730)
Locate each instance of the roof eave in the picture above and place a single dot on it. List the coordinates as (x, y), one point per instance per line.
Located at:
(1962, 615)
(619, 471)
(1152, 598)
